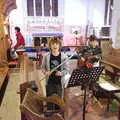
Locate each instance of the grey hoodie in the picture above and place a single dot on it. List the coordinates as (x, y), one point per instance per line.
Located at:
(64, 67)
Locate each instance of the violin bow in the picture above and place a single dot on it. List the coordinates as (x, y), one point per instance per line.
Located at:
(54, 69)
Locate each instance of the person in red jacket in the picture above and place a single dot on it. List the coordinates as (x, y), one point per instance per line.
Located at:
(20, 39)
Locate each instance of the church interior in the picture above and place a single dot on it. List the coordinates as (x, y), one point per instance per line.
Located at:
(35, 35)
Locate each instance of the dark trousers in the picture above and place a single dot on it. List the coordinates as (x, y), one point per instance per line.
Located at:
(53, 89)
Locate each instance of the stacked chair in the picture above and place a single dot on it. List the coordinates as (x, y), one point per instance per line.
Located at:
(32, 106)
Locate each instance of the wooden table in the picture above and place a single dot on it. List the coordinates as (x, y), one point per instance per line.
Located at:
(3, 81)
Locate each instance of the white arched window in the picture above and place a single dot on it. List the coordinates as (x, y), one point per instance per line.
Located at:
(42, 7)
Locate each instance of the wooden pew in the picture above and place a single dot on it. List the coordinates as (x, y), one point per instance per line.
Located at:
(111, 61)
(112, 66)
(3, 81)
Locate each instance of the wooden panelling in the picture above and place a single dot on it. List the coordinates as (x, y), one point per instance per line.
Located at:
(3, 81)
(2, 38)
(5, 7)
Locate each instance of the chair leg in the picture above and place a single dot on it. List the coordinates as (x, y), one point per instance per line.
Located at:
(119, 112)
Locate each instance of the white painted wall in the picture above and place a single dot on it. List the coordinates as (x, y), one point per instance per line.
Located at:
(115, 27)
(16, 19)
(79, 12)
(74, 12)
(96, 10)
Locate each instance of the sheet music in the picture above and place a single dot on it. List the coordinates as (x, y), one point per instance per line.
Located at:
(108, 86)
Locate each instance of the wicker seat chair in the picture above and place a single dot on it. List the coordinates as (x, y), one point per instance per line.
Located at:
(32, 106)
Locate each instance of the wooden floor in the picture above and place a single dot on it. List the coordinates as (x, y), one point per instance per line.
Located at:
(9, 109)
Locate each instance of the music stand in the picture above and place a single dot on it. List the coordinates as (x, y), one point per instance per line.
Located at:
(84, 77)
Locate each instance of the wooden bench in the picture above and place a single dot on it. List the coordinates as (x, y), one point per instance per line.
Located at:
(3, 81)
(112, 64)
(111, 59)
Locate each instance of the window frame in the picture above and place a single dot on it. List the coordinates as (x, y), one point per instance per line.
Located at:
(43, 9)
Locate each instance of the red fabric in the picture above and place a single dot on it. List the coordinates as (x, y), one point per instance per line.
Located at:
(20, 40)
(89, 65)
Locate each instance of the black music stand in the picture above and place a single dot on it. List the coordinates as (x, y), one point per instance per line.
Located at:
(84, 77)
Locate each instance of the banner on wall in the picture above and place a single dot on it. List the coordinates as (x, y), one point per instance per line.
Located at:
(44, 25)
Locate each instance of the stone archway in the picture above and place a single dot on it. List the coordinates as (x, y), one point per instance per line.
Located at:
(8, 6)
(5, 8)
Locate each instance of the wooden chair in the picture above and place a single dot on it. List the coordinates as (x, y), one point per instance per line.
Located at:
(32, 106)
(23, 88)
